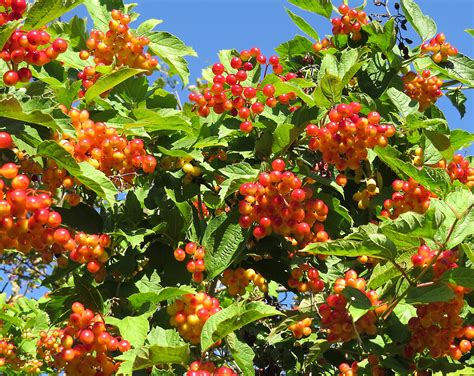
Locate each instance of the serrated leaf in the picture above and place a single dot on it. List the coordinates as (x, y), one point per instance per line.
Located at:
(434, 179)
(172, 50)
(163, 347)
(88, 293)
(436, 292)
(458, 99)
(109, 81)
(6, 30)
(82, 218)
(376, 245)
(459, 67)
(43, 12)
(93, 179)
(423, 25)
(461, 139)
(167, 119)
(33, 111)
(223, 241)
(132, 328)
(470, 32)
(381, 37)
(304, 26)
(322, 7)
(460, 276)
(234, 317)
(99, 10)
(404, 104)
(165, 293)
(148, 25)
(242, 354)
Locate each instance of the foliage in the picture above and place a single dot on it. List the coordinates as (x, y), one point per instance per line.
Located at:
(316, 198)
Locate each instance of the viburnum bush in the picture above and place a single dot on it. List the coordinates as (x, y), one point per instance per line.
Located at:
(308, 212)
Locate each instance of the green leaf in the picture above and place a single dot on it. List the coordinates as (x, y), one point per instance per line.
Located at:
(458, 99)
(436, 292)
(133, 329)
(6, 30)
(304, 26)
(413, 226)
(166, 119)
(147, 26)
(109, 81)
(463, 228)
(376, 76)
(234, 317)
(441, 142)
(461, 139)
(434, 179)
(459, 67)
(82, 218)
(99, 10)
(322, 7)
(404, 104)
(375, 245)
(164, 347)
(93, 179)
(34, 111)
(356, 298)
(423, 25)
(223, 241)
(460, 276)
(382, 37)
(470, 32)
(242, 354)
(43, 12)
(297, 46)
(88, 293)
(165, 293)
(296, 85)
(172, 50)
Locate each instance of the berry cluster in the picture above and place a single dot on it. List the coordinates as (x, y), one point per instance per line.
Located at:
(364, 196)
(348, 370)
(196, 263)
(228, 94)
(440, 49)
(301, 328)
(279, 203)
(84, 346)
(408, 196)
(376, 368)
(103, 148)
(189, 314)
(33, 47)
(437, 327)
(237, 280)
(336, 318)
(26, 220)
(459, 169)
(445, 261)
(350, 22)
(118, 47)
(424, 88)
(418, 159)
(12, 10)
(7, 353)
(90, 250)
(305, 278)
(345, 139)
(190, 171)
(199, 368)
(323, 45)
